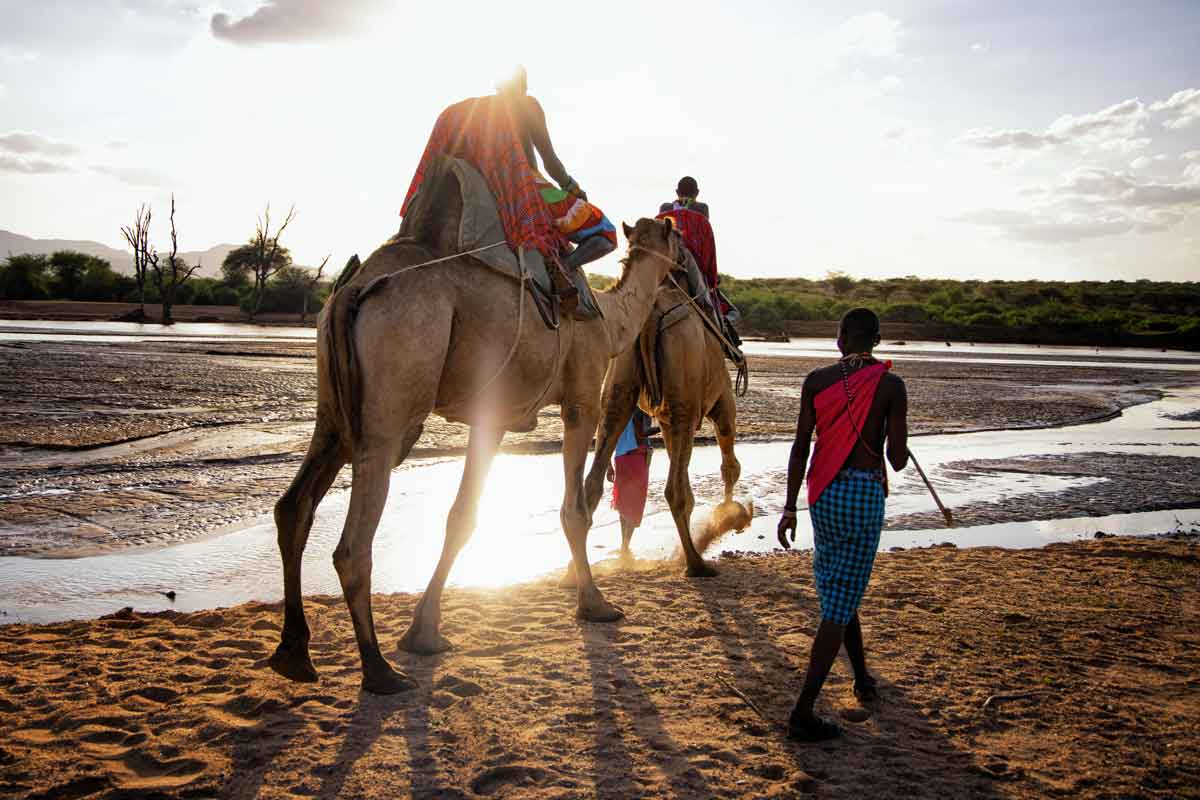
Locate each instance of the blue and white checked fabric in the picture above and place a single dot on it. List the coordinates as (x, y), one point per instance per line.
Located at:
(846, 519)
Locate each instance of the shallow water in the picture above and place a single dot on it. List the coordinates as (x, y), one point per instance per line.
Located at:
(519, 535)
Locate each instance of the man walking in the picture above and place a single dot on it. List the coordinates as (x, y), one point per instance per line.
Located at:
(853, 406)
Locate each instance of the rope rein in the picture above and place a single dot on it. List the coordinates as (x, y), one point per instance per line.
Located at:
(742, 383)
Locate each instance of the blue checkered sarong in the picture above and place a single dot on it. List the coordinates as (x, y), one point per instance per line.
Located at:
(846, 521)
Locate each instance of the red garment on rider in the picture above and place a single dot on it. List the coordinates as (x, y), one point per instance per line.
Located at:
(632, 484)
(697, 236)
(837, 430)
(482, 132)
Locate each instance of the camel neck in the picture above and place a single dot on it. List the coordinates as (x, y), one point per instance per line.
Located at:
(626, 306)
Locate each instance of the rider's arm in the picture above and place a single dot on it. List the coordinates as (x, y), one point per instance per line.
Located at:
(541, 140)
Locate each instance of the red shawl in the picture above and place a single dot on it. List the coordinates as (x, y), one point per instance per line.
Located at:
(697, 236)
(836, 434)
(482, 132)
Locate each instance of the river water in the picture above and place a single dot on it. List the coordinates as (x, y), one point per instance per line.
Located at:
(519, 535)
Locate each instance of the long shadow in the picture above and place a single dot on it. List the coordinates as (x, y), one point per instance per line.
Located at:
(614, 689)
(907, 754)
(255, 750)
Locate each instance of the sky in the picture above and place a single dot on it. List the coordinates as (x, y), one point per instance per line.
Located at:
(945, 138)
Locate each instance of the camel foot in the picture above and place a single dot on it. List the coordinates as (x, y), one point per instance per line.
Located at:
(292, 662)
(599, 611)
(380, 678)
(415, 640)
(568, 580)
(701, 570)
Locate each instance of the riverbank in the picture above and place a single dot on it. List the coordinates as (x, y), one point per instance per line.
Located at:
(106, 445)
(1065, 671)
(98, 311)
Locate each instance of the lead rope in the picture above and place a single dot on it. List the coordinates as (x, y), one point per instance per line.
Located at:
(742, 384)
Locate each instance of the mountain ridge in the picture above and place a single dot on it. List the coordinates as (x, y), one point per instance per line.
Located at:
(122, 260)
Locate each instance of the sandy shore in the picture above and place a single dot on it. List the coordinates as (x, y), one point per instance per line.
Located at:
(110, 445)
(1089, 652)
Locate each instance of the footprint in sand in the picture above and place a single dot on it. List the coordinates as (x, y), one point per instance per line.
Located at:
(493, 780)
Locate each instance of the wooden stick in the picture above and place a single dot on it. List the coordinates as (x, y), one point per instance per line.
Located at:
(742, 696)
(945, 511)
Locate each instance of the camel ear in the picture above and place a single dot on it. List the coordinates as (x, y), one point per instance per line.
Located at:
(670, 227)
(628, 230)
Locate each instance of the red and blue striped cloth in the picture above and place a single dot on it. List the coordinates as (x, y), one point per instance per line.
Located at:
(482, 132)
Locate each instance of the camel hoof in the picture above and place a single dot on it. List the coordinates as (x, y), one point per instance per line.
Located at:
(382, 679)
(293, 663)
(413, 642)
(702, 570)
(606, 612)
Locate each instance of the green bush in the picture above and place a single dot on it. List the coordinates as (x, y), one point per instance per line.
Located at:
(905, 312)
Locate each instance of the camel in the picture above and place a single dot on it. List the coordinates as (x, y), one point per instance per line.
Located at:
(434, 340)
(693, 383)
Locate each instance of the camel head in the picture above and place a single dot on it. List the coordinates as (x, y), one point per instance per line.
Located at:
(658, 239)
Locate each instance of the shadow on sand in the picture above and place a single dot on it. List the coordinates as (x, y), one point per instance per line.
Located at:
(889, 749)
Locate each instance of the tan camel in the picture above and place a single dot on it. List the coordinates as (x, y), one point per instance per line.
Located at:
(694, 384)
(427, 341)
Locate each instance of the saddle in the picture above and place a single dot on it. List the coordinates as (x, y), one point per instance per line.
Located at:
(454, 186)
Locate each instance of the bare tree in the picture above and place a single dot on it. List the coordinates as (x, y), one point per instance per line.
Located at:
(169, 277)
(312, 284)
(138, 236)
(265, 254)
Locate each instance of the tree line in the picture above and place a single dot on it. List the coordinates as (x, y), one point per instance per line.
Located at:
(1089, 307)
(258, 276)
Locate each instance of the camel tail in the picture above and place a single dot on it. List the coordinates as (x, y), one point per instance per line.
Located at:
(343, 359)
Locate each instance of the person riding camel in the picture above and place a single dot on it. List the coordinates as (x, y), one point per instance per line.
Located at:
(691, 220)
(686, 193)
(498, 135)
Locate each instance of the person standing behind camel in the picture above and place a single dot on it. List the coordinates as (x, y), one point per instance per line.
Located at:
(853, 405)
(630, 475)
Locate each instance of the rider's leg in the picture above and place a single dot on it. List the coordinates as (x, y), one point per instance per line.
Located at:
(589, 250)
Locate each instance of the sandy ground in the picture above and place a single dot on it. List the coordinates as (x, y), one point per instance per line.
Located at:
(1089, 653)
(110, 445)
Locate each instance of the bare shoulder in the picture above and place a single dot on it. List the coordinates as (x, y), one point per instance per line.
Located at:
(893, 384)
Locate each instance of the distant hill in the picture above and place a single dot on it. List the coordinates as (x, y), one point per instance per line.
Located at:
(121, 260)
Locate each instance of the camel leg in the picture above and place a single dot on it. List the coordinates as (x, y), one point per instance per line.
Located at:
(293, 520)
(423, 635)
(724, 419)
(619, 399)
(678, 435)
(352, 559)
(578, 427)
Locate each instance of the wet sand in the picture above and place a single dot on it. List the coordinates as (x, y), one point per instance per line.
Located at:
(109, 445)
(1065, 671)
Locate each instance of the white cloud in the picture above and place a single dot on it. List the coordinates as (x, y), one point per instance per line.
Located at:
(1010, 139)
(979, 47)
(1113, 128)
(1141, 162)
(874, 34)
(33, 143)
(1182, 108)
(295, 21)
(135, 176)
(31, 166)
(889, 83)
(1092, 203)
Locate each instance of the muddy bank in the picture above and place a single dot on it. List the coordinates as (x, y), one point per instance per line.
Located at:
(109, 445)
(1119, 483)
(1066, 671)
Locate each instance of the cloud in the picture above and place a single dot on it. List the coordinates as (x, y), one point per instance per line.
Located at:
(277, 21)
(1113, 128)
(135, 176)
(34, 144)
(874, 34)
(1092, 203)
(1141, 162)
(31, 166)
(1183, 109)
(979, 47)
(1010, 140)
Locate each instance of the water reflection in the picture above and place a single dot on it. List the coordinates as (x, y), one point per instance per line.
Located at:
(519, 535)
